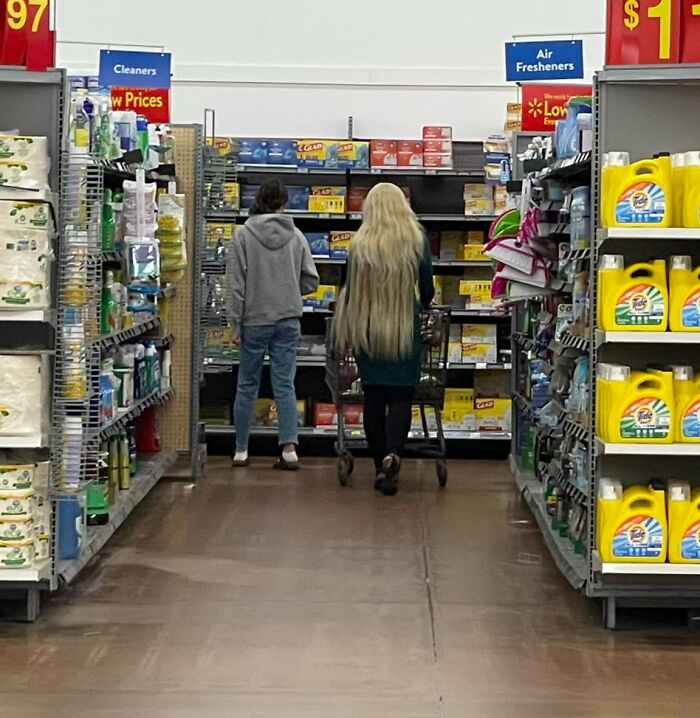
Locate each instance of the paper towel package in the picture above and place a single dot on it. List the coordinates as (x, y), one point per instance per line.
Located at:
(24, 269)
(24, 394)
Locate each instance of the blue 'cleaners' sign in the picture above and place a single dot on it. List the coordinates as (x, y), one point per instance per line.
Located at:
(541, 60)
(143, 70)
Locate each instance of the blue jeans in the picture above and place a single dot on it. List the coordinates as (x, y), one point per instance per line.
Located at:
(278, 341)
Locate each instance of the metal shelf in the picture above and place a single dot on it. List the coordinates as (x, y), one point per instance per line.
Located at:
(480, 366)
(151, 470)
(288, 169)
(647, 338)
(645, 569)
(131, 333)
(569, 168)
(457, 218)
(133, 412)
(30, 441)
(331, 432)
(45, 316)
(419, 172)
(39, 571)
(671, 233)
(607, 449)
(468, 313)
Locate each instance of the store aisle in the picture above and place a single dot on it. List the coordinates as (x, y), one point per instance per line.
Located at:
(278, 596)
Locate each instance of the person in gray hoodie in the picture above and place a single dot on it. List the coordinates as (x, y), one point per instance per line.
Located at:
(269, 268)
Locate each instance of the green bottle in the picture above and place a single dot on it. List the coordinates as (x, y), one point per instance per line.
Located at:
(109, 225)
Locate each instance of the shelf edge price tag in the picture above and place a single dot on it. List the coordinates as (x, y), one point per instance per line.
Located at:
(26, 37)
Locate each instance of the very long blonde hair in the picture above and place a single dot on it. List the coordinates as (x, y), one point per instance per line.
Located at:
(376, 313)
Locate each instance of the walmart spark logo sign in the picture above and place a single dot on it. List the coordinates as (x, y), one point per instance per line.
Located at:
(544, 61)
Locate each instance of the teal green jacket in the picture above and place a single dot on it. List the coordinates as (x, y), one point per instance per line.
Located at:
(407, 371)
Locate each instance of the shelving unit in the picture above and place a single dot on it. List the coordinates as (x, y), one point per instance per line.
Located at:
(642, 111)
(437, 197)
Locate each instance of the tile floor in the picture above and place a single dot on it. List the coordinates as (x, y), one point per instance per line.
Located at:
(262, 595)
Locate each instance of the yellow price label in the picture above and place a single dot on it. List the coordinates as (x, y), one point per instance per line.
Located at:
(18, 13)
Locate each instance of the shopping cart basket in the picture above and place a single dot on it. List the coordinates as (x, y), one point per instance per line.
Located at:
(343, 380)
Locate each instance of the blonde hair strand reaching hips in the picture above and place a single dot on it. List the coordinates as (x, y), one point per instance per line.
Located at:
(378, 317)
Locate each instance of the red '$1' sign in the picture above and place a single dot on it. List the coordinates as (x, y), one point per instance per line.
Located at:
(653, 32)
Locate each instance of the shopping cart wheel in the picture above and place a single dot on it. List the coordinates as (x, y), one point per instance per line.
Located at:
(346, 465)
(442, 472)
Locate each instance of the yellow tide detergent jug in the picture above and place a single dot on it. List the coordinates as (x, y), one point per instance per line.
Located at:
(684, 290)
(691, 190)
(632, 524)
(612, 387)
(633, 298)
(615, 169)
(679, 189)
(683, 523)
(643, 412)
(643, 196)
(686, 390)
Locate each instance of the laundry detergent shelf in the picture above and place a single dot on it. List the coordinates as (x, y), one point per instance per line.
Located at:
(686, 389)
(633, 298)
(632, 524)
(684, 286)
(683, 523)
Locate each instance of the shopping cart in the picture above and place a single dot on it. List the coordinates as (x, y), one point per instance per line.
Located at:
(343, 380)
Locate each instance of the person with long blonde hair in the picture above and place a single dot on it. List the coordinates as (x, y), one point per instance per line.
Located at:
(390, 278)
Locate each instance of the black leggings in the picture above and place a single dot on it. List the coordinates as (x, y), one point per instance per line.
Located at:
(387, 419)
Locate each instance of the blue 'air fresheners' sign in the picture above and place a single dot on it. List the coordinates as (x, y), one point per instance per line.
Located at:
(142, 70)
(543, 61)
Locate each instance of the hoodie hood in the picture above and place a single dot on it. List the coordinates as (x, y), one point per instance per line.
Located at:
(273, 231)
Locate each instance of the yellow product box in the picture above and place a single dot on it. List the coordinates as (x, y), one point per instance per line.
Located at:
(451, 244)
(493, 414)
(325, 190)
(454, 352)
(459, 418)
(232, 195)
(437, 281)
(479, 207)
(478, 191)
(224, 145)
(266, 413)
(459, 398)
(477, 293)
(477, 353)
(476, 237)
(480, 334)
(353, 154)
(317, 153)
(417, 422)
(340, 244)
(474, 253)
(327, 204)
(322, 298)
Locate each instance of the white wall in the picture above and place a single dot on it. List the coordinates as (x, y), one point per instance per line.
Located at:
(280, 68)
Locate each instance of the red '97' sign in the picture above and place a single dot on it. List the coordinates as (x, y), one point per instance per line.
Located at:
(653, 32)
(26, 38)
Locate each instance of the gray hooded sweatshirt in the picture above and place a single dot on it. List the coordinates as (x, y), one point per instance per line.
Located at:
(268, 268)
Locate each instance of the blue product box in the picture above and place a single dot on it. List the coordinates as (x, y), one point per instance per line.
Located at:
(319, 243)
(252, 152)
(353, 155)
(248, 194)
(298, 199)
(282, 152)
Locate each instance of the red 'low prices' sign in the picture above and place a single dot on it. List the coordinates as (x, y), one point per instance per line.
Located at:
(545, 105)
(26, 38)
(653, 32)
(154, 105)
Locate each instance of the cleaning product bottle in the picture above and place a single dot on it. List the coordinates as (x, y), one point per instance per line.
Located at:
(124, 463)
(142, 137)
(644, 196)
(678, 169)
(109, 226)
(79, 129)
(110, 306)
(644, 413)
(633, 298)
(691, 190)
(683, 522)
(684, 286)
(98, 494)
(612, 385)
(615, 168)
(632, 524)
(113, 491)
(165, 374)
(686, 391)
